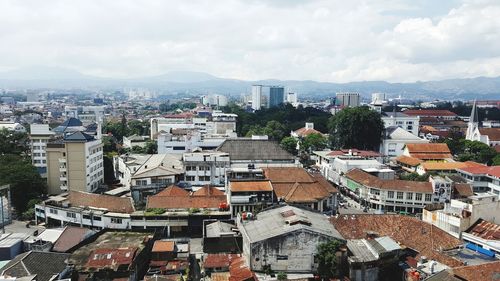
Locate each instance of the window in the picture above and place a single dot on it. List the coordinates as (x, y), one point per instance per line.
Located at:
(281, 257)
(190, 178)
(418, 196)
(428, 197)
(374, 191)
(52, 211)
(409, 196)
(204, 168)
(70, 215)
(204, 178)
(390, 194)
(86, 217)
(190, 168)
(97, 218)
(116, 220)
(400, 195)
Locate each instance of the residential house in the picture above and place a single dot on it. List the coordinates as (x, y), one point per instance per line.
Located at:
(482, 178)
(39, 266)
(297, 231)
(205, 167)
(436, 113)
(221, 237)
(484, 237)
(394, 140)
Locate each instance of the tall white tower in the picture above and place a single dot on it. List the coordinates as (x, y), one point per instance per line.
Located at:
(256, 97)
(473, 124)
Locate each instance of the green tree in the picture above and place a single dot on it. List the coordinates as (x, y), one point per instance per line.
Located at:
(13, 142)
(289, 144)
(356, 127)
(151, 147)
(275, 130)
(281, 276)
(476, 151)
(24, 179)
(327, 259)
(314, 142)
(496, 160)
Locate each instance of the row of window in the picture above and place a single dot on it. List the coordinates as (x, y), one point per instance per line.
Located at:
(200, 168)
(401, 195)
(200, 178)
(86, 217)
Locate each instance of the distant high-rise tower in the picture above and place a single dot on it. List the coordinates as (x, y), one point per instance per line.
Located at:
(291, 98)
(276, 96)
(348, 99)
(256, 97)
(473, 125)
(267, 96)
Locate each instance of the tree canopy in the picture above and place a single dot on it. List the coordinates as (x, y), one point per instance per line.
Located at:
(356, 127)
(327, 259)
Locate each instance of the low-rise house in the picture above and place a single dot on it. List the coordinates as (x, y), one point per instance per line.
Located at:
(135, 140)
(13, 127)
(111, 255)
(221, 237)
(39, 266)
(218, 262)
(395, 139)
(428, 151)
(249, 195)
(70, 237)
(420, 238)
(484, 237)
(86, 209)
(298, 187)
(297, 231)
(435, 113)
(458, 215)
(478, 272)
(482, 178)
(389, 195)
(444, 167)
(259, 152)
(305, 131)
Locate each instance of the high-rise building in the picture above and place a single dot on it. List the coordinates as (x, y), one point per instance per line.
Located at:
(75, 163)
(348, 99)
(291, 98)
(267, 96)
(40, 135)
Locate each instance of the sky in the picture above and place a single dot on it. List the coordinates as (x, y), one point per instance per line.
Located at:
(322, 40)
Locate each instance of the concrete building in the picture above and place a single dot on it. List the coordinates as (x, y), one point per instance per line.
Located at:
(86, 114)
(404, 121)
(40, 134)
(348, 99)
(291, 98)
(267, 96)
(12, 126)
(202, 168)
(182, 141)
(395, 139)
(214, 100)
(390, 195)
(74, 163)
(483, 237)
(482, 178)
(249, 195)
(296, 231)
(457, 216)
(135, 140)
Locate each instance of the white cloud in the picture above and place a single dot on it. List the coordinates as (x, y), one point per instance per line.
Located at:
(327, 40)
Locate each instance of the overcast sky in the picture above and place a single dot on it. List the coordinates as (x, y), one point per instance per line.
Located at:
(330, 40)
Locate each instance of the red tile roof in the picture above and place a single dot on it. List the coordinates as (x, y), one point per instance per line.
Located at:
(492, 133)
(163, 246)
(200, 202)
(219, 260)
(173, 190)
(449, 166)
(426, 151)
(111, 258)
(482, 170)
(480, 272)
(70, 237)
(245, 186)
(407, 160)
(111, 203)
(369, 180)
(239, 271)
(208, 190)
(408, 231)
(462, 189)
(302, 132)
(429, 112)
(486, 230)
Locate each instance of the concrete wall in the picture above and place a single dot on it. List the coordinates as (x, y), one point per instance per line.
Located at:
(53, 173)
(75, 161)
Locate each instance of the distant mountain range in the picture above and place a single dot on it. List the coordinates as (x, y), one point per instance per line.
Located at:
(203, 83)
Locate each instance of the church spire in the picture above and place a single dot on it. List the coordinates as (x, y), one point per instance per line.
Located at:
(473, 115)
(473, 125)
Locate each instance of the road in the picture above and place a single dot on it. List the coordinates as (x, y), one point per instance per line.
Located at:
(353, 207)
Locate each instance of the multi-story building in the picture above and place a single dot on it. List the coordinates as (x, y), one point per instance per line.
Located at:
(40, 134)
(482, 178)
(202, 168)
(12, 126)
(291, 98)
(74, 163)
(214, 100)
(86, 114)
(347, 99)
(395, 139)
(458, 215)
(267, 96)
(389, 195)
(181, 141)
(404, 121)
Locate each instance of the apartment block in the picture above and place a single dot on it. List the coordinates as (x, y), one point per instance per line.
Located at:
(40, 134)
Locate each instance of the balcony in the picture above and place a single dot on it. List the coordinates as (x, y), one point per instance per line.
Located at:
(63, 187)
(62, 160)
(63, 178)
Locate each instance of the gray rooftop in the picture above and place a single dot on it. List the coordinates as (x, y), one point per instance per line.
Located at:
(44, 264)
(360, 251)
(254, 149)
(281, 220)
(218, 229)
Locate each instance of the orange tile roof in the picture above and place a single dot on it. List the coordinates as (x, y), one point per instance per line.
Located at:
(302, 132)
(492, 133)
(369, 180)
(163, 246)
(463, 189)
(407, 231)
(176, 202)
(244, 186)
(407, 160)
(173, 190)
(441, 166)
(287, 174)
(239, 271)
(219, 260)
(486, 230)
(428, 148)
(208, 190)
(480, 272)
(429, 112)
(482, 170)
(111, 203)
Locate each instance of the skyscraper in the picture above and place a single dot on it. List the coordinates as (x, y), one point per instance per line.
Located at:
(256, 97)
(276, 96)
(267, 96)
(348, 99)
